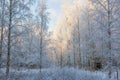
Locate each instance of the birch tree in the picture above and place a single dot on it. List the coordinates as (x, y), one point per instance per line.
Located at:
(2, 27)
(109, 10)
(18, 12)
(43, 27)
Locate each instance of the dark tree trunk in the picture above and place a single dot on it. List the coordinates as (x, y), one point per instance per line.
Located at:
(9, 41)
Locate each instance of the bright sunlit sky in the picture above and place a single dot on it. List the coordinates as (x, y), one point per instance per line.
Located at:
(55, 10)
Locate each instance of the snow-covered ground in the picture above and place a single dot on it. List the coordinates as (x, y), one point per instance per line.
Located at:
(55, 74)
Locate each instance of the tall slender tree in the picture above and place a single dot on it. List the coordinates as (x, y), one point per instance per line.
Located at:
(43, 27)
(2, 27)
(18, 12)
(9, 40)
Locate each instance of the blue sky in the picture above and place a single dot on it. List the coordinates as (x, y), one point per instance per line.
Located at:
(54, 8)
